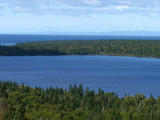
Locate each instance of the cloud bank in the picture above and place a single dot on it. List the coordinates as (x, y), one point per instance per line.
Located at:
(80, 7)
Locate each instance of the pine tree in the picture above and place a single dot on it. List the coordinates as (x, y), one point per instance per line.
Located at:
(20, 113)
(9, 113)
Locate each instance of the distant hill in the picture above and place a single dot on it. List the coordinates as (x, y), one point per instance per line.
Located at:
(110, 33)
(117, 33)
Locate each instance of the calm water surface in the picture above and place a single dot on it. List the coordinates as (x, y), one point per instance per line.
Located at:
(111, 73)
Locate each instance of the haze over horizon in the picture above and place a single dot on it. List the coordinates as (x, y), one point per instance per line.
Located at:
(116, 17)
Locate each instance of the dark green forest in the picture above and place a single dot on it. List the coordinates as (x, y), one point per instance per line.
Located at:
(139, 48)
(20, 102)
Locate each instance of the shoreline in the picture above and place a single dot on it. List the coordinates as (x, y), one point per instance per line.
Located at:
(78, 55)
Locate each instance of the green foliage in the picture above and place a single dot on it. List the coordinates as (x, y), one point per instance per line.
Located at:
(140, 48)
(25, 103)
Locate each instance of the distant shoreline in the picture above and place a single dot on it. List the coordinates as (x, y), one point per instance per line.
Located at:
(18, 38)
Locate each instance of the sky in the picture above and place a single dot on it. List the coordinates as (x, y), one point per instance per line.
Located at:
(33, 16)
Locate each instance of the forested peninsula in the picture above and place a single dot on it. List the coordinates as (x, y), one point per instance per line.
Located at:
(139, 48)
(20, 102)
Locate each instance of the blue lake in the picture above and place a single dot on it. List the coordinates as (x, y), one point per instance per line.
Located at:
(110, 73)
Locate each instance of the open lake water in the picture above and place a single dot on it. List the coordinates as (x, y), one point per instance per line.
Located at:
(110, 73)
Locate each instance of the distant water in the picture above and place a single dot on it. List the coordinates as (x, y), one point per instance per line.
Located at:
(110, 73)
(6, 39)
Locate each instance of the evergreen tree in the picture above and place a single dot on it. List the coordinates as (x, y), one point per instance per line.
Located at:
(20, 113)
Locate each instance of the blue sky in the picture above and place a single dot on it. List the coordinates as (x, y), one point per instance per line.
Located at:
(27, 16)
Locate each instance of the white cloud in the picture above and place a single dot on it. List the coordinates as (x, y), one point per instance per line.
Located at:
(20, 9)
(92, 2)
(121, 7)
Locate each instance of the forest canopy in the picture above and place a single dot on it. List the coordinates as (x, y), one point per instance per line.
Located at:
(139, 48)
(20, 102)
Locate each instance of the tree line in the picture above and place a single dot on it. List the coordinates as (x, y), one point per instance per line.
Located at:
(20, 102)
(140, 48)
